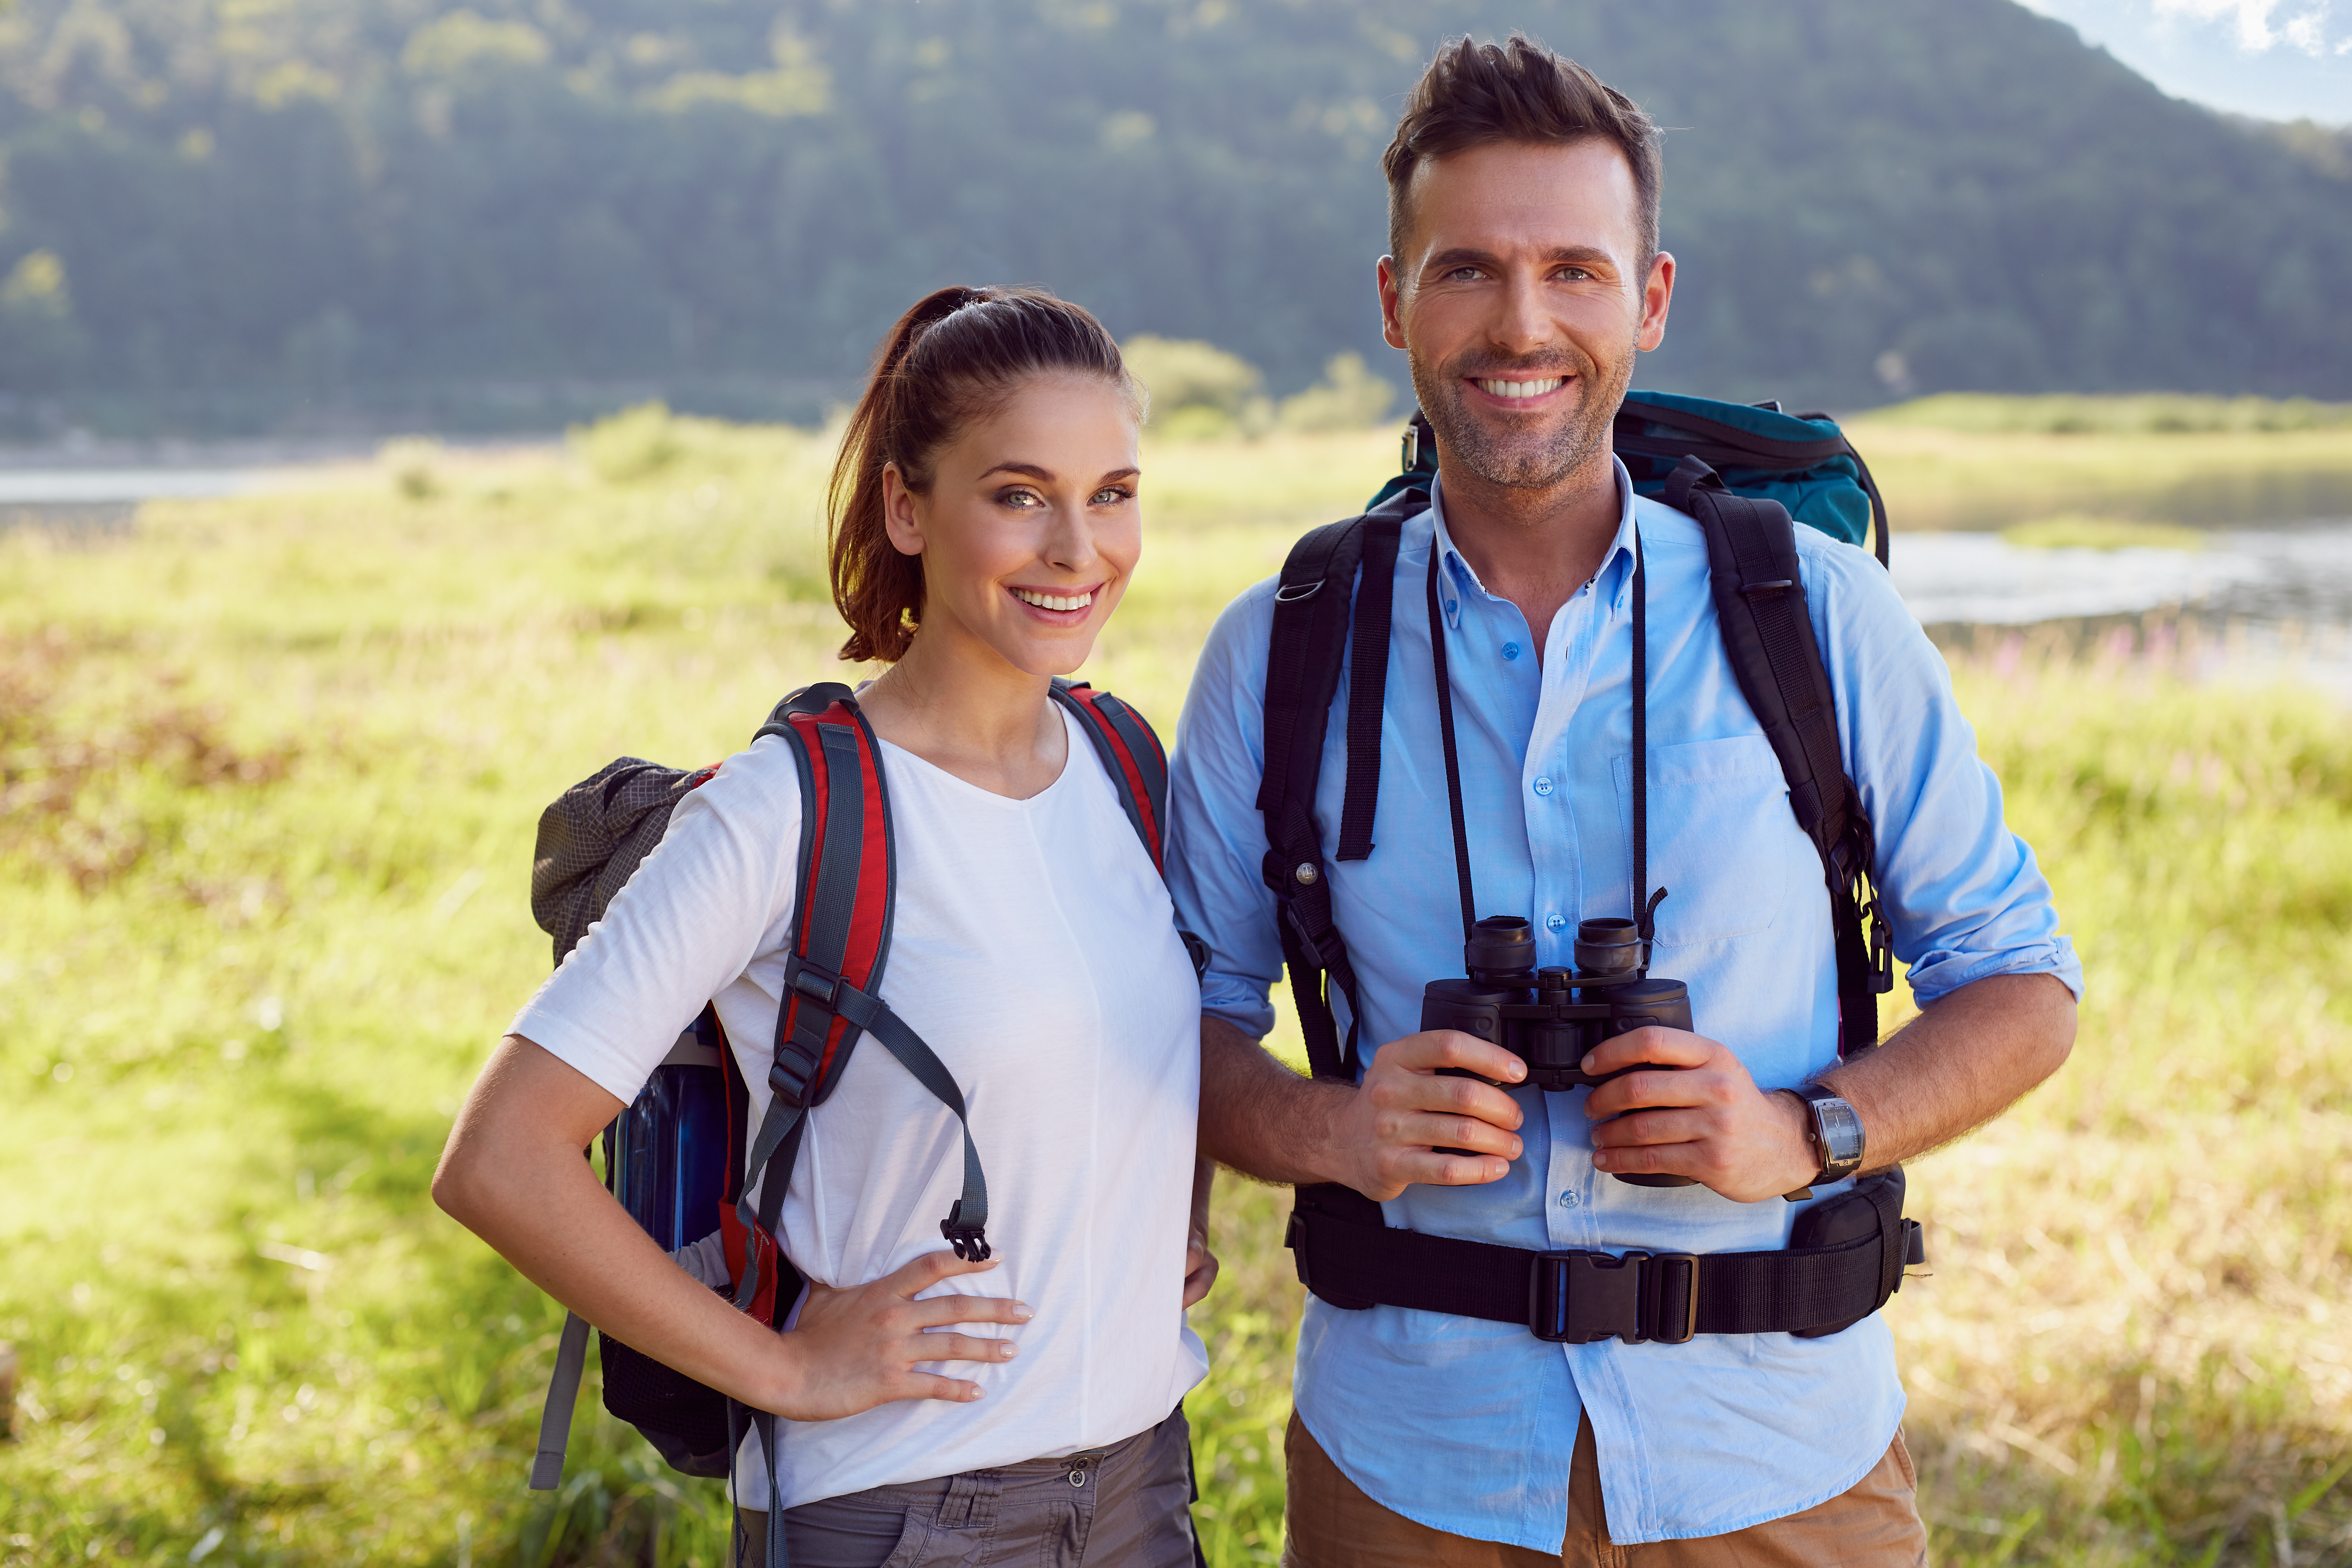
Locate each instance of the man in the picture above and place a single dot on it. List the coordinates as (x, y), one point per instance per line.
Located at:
(1523, 276)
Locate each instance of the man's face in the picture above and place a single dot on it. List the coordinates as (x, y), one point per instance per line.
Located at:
(1520, 302)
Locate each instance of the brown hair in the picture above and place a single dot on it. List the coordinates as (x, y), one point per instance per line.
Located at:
(949, 359)
(1475, 94)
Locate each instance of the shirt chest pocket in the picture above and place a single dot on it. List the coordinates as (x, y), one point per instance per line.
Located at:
(1722, 838)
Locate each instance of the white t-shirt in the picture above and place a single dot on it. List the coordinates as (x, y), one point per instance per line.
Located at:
(1035, 949)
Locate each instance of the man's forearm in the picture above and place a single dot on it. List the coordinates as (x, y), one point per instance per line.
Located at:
(1258, 1116)
(1956, 1066)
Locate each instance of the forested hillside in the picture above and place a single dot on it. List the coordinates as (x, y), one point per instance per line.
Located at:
(225, 209)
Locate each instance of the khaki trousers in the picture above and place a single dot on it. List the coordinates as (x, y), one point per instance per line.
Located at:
(1126, 1506)
(1333, 1525)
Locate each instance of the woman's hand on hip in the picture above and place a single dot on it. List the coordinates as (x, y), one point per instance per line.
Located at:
(861, 1347)
(1200, 1266)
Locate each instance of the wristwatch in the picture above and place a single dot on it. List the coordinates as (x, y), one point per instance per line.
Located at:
(1834, 1130)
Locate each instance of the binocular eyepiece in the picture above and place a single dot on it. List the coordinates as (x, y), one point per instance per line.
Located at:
(1550, 1017)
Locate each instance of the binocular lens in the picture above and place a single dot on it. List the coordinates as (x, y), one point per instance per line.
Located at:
(1500, 945)
(1607, 946)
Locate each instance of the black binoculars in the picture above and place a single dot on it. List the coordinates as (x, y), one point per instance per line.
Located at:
(1549, 1018)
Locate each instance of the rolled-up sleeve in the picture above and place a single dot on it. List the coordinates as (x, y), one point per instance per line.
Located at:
(1215, 835)
(1964, 895)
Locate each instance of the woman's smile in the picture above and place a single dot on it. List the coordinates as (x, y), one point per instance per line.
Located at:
(1058, 606)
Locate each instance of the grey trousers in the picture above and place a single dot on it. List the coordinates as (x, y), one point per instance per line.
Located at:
(1126, 1506)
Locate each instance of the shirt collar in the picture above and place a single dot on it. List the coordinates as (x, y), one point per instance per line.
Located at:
(1614, 580)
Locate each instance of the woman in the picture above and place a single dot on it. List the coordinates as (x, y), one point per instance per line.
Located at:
(985, 524)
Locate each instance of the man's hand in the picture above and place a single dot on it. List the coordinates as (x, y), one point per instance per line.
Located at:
(1389, 1133)
(1709, 1121)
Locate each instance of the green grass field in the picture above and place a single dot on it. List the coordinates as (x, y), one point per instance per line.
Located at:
(271, 769)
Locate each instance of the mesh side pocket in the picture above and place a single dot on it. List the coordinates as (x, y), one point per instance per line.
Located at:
(685, 1420)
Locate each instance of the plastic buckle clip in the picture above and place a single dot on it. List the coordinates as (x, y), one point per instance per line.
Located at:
(1581, 1297)
(1882, 948)
(968, 1240)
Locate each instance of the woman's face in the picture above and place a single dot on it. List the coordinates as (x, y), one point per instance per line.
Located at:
(1031, 527)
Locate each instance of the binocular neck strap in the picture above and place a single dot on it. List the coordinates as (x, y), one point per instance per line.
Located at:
(1452, 762)
(1644, 906)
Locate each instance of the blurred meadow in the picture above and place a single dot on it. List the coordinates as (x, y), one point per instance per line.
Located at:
(269, 770)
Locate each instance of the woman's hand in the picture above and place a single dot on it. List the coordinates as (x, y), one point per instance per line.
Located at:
(859, 1348)
(1199, 1263)
(1200, 1266)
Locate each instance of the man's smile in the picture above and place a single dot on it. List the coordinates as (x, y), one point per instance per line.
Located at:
(1521, 394)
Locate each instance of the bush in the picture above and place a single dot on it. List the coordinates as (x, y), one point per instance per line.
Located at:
(1198, 390)
(1348, 397)
(413, 467)
(633, 444)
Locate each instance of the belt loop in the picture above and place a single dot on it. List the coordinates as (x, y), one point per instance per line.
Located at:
(1670, 1298)
(970, 1501)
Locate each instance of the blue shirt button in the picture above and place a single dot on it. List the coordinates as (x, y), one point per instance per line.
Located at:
(1568, 1199)
(1543, 786)
(1510, 650)
(1451, 606)
(1555, 922)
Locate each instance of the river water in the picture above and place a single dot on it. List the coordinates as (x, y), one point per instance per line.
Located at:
(2270, 599)
(2274, 600)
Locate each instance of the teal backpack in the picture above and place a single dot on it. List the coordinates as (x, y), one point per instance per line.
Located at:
(1802, 461)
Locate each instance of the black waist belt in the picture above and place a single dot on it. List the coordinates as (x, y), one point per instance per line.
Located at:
(1848, 1258)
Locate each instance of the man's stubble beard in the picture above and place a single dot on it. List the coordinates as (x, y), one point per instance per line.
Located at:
(1542, 458)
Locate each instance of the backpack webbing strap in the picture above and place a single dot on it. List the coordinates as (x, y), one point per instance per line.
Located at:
(1767, 638)
(562, 1393)
(1350, 1260)
(968, 1216)
(742, 1418)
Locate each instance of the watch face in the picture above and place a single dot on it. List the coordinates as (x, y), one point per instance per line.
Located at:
(1841, 1133)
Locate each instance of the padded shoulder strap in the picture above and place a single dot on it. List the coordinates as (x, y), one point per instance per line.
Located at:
(848, 884)
(1768, 635)
(1303, 651)
(1130, 753)
(1312, 611)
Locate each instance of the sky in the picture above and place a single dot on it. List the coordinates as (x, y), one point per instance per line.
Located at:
(2278, 59)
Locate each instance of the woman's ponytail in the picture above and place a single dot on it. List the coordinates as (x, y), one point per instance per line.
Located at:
(956, 350)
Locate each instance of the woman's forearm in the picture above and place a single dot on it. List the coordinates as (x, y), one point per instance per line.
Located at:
(518, 1181)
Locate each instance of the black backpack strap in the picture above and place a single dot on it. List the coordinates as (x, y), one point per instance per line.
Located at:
(1759, 598)
(1367, 678)
(1316, 607)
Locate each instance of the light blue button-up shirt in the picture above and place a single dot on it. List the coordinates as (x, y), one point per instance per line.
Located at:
(1467, 1425)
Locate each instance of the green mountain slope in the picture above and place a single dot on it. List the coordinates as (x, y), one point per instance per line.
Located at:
(216, 199)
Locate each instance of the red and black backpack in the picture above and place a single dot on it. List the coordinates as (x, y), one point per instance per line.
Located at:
(679, 1157)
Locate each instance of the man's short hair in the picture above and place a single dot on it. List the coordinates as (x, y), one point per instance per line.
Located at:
(1473, 94)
